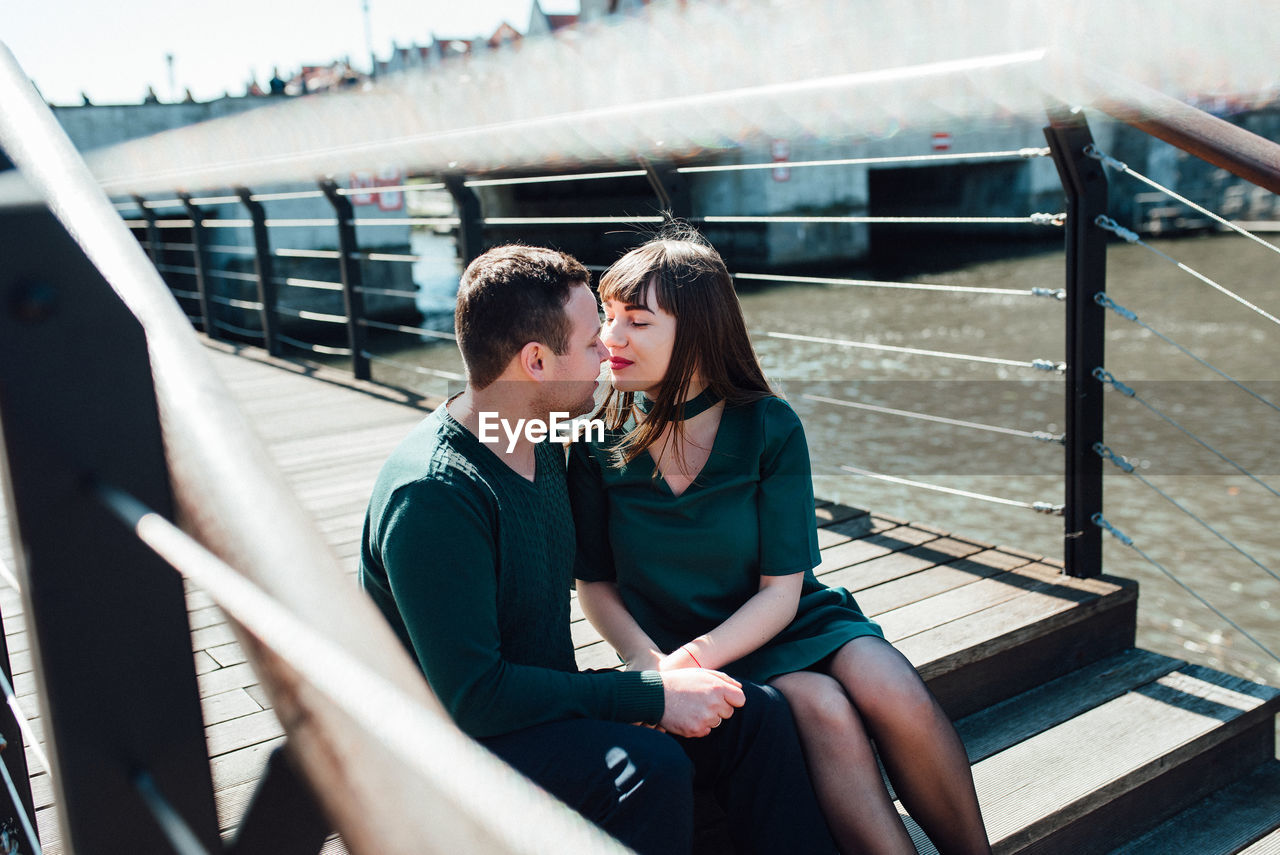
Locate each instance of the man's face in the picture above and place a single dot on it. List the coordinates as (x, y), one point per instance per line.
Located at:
(573, 375)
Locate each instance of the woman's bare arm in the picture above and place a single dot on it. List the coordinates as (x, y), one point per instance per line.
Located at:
(758, 619)
(603, 606)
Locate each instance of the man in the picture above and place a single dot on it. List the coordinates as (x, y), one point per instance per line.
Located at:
(468, 550)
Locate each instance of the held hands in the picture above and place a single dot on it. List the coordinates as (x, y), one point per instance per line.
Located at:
(698, 700)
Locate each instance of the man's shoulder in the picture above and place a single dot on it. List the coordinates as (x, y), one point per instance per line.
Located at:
(433, 457)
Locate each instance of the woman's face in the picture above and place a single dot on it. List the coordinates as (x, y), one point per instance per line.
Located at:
(640, 339)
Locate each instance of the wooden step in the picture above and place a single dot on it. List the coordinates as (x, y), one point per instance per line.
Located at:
(1231, 820)
(1103, 774)
(1269, 845)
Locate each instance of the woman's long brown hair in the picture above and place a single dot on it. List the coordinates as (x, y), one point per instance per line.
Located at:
(691, 283)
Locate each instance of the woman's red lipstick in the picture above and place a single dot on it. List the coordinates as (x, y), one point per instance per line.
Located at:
(617, 362)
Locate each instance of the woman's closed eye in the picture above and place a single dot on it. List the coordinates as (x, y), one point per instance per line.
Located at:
(608, 322)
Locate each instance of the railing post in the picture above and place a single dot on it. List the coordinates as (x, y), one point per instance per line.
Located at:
(12, 754)
(671, 188)
(1085, 184)
(471, 227)
(200, 261)
(262, 268)
(107, 617)
(352, 278)
(153, 233)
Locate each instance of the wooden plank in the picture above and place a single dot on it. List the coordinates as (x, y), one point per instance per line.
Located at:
(921, 586)
(227, 655)
(242, 732)
(846, 554)
(1010, 722)
(1051, 647)
(49, 831)
(1007, 625)
(226, 679)
(877, 571)
(1269, 845)
(1225, 822)
(212, 636)
(244, 764)
(1119, 817)
(1058, 776)
(204, 663)
(41, 790)
(829, 514)
(227, 706)
(957, 603)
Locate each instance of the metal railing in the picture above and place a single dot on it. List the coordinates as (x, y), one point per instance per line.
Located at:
(197, 462)
(121, 710)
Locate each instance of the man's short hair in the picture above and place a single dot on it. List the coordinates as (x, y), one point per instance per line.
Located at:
(508, 297)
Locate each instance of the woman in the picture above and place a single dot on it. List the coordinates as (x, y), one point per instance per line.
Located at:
(696, 544)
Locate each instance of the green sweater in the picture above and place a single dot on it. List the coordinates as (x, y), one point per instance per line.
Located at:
(471, 563)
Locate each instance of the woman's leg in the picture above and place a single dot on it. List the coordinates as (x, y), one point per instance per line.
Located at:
(843, 767)
(918, 745)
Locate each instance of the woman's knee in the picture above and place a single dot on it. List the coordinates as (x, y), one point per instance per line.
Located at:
(818, 702)
(881, 681)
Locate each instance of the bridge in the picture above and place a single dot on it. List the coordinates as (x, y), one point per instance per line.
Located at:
(131, 421)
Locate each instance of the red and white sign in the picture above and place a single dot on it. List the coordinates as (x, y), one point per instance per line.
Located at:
(392, 200)
(941, 141)
(781, 150)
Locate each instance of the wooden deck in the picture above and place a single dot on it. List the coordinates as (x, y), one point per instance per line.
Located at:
(1080, 743)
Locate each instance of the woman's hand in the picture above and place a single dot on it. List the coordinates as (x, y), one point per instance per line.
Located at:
(677, 659)
(650, 660)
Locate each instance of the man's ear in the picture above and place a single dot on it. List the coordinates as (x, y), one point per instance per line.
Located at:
(532, 360)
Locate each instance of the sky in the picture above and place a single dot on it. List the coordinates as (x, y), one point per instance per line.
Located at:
(112, 51)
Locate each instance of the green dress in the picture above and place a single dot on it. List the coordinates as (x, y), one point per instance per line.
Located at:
(683, 564)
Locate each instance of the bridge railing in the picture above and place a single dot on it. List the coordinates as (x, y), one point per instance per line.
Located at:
(204, 469)
(134, 432)
(1085, 303)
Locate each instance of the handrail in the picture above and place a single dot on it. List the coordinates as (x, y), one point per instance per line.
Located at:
(1231, 147)
(230, 495)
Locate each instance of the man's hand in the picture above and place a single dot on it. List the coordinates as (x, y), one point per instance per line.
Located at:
(698, 700)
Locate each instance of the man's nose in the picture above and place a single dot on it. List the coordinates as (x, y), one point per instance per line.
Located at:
(602, 352)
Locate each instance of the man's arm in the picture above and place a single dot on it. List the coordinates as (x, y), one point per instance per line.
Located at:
(436, 544)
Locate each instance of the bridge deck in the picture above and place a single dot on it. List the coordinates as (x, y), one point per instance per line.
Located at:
(982, 623)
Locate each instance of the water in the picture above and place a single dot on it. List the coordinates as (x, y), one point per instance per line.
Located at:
(1219, 330)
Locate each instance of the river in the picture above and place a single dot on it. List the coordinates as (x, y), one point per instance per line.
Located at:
(1236, 340)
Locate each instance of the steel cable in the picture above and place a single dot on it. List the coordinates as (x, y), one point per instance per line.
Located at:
(1102, 299)
(1125, 466)
(1105, 222)
(1038, 507)
(1093, 151)
(1038, 364)
(1042, 436)
(1101, 521)
(1108, 378)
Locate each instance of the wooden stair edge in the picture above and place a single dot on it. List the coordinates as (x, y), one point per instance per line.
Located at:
(1031, 650)
(1156, 784)
(995, 728)
(1225, 822)
(1269, 845)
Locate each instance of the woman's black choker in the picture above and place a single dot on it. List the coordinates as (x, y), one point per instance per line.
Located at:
(698, 404)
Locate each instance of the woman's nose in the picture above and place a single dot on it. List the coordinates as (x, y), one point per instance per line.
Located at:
(609, 336)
